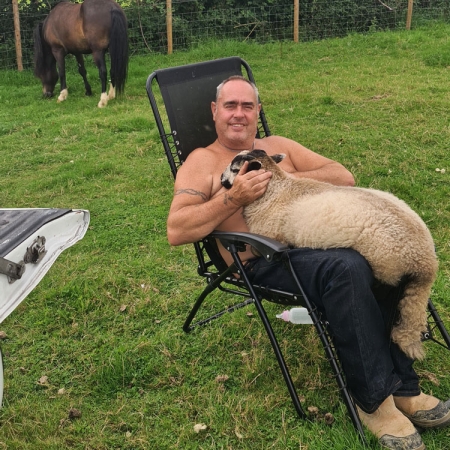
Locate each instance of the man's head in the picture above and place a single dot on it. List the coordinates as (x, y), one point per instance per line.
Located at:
(235, 112)
(234, 78)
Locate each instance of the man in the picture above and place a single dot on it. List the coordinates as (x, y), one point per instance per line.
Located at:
(338, 281)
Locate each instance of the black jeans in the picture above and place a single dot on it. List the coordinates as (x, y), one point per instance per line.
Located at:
(360, 312)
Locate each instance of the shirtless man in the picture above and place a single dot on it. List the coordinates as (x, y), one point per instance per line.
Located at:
(201, 205)
(339, 281)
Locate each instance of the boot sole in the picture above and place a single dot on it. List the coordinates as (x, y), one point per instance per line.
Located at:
(411, 442)
(422, 447)
(437, 423)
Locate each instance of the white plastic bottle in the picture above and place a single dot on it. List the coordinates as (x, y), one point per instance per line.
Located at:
(296, 315)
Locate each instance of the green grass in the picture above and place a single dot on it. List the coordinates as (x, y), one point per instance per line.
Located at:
(104, 325)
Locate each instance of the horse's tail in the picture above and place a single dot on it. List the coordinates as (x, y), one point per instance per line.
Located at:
(39, 50)
(118, 49)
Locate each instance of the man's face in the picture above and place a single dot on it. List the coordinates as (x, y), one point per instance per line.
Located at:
(236, 115)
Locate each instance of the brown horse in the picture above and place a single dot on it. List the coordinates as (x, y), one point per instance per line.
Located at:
(93, 26)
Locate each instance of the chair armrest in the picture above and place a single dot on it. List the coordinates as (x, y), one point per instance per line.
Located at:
(267, 247)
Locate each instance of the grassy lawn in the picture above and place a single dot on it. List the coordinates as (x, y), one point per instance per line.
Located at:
(104, 325)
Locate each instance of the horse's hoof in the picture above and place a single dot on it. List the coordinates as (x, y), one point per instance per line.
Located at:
(88, 93)
(111, 93)
(47, 94)
(103, 100)
(63, 95)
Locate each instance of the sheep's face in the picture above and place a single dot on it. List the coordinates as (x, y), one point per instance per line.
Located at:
(258, 159)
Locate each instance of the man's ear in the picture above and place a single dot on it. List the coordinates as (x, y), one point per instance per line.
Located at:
(213, 110)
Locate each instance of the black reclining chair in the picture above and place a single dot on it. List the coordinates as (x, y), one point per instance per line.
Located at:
(187, 92)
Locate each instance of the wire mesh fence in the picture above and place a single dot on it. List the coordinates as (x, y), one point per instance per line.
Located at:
(194, 22)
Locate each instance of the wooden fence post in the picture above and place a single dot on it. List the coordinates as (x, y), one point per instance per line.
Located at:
(17, 35)
(296, 18)
(169, 26)
(409, 14)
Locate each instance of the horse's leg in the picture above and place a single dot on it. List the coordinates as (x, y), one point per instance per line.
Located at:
(60, 55)
(99, 59)
(112, 92)
(82, 72)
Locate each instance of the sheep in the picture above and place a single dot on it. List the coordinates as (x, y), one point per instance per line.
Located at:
(395, 241)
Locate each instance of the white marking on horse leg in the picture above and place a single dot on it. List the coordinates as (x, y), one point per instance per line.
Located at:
(63, 95)
(103, 100)
(112, 92)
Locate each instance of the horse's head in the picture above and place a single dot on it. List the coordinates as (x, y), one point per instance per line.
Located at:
(49, 79)
(44, 63)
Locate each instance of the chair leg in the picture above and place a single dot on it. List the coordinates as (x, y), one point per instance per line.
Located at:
(271, 335)
(187, 327)
(280, 358)
(333, 360)
(210, 287)
(439, 324)
(331, 356)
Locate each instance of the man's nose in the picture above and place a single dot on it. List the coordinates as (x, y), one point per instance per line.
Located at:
(239, 111)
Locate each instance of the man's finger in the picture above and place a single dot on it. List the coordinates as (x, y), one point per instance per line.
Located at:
(243, 168)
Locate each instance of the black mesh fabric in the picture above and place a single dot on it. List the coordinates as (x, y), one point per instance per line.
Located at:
(192, 88)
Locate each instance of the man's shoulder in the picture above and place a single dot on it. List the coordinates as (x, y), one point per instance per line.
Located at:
(203, 154)
(273, 143)
(200, 161)
(276, 139)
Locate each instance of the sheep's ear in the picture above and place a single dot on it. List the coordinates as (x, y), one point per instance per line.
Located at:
(278, 157)
(254, 165)
(256, 153)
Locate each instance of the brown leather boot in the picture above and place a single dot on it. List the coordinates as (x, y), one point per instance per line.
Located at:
(424, 410)
(392, 428)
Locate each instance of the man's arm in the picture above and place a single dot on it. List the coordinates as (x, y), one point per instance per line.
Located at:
(196, 210)
(309, 164)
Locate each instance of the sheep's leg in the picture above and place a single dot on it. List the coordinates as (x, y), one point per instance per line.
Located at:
(413, 318)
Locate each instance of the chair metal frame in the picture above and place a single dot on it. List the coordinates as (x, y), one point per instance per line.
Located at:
(211, 266)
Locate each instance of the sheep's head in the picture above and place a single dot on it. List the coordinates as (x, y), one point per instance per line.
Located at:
(258, 159)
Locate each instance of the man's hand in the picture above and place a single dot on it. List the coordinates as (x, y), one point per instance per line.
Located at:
(248, 186)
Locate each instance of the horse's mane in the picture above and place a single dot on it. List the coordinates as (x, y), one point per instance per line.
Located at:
(42, 52)
(39, 65)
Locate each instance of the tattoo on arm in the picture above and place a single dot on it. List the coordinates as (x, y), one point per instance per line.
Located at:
(228, 198)
(191, 192)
